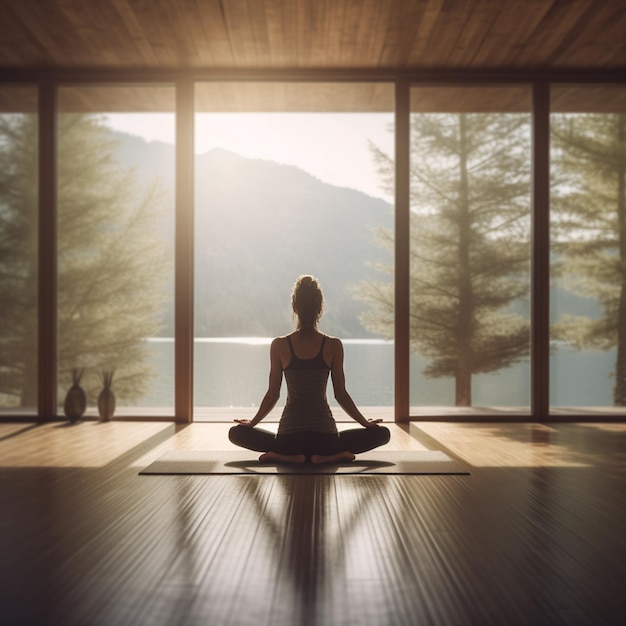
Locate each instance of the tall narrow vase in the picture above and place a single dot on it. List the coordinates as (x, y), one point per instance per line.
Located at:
(75, 403)
(106, 399)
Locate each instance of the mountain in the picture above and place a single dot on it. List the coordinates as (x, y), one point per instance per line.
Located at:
(258, 225)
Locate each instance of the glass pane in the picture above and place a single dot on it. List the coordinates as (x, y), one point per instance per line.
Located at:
(116, 245)
(287, 184)
(588, 249)
(470, 231)
(18, 250)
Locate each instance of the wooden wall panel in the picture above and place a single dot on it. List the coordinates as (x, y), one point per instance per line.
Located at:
(352, 97)
(294, 97)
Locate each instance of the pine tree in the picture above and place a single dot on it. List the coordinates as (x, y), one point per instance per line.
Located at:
(589, 229)
(18, 260)
(110, 260)
(469, 245)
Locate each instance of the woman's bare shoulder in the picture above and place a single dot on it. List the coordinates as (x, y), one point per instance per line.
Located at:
(334, 345)
(335, 341)
(280, 350)
(279, 342)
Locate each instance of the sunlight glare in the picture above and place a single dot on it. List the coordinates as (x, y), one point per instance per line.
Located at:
(333, 147)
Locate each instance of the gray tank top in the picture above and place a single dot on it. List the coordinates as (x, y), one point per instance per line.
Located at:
(306, 409)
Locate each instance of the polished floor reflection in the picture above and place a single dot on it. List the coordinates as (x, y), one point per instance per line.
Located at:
(533, 536)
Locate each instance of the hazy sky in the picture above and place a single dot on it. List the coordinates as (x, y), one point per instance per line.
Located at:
(331, 146)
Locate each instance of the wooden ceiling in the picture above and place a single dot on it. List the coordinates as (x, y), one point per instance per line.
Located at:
(272, 34)
(265, 38)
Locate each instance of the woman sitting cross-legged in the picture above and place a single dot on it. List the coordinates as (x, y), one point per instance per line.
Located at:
(307, 429)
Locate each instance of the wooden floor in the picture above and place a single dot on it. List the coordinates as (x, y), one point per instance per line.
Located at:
(536, 534)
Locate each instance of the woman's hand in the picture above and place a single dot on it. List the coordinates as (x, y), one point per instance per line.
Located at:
(244, 422)
(372, 423)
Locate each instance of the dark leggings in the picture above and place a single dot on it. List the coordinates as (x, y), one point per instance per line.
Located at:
(355, 440)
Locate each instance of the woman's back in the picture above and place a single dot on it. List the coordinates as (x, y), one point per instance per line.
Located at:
(306, 409)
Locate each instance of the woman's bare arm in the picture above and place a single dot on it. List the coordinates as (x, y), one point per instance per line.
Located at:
(339, 385)
(273, 390)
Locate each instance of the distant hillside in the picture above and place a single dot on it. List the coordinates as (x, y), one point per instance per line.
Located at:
(260, 224)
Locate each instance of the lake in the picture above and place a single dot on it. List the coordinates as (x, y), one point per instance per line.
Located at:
(233, 372)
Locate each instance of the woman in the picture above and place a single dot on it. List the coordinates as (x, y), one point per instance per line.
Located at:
(307, 429)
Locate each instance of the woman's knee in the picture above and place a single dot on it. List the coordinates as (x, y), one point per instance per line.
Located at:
(234, 434)
(384, 435)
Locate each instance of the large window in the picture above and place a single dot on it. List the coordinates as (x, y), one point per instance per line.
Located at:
(470, 248)
(290, 179)
(18, 249)
(298, 177)
(588, 249)
(116, 244)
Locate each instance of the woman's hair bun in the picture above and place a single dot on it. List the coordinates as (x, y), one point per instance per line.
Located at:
(308, 281)
(307, 300)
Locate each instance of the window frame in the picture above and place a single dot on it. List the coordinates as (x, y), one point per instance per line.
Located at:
(48, 82)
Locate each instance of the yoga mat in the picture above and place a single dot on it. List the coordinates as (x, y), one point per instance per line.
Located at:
(245, 462)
